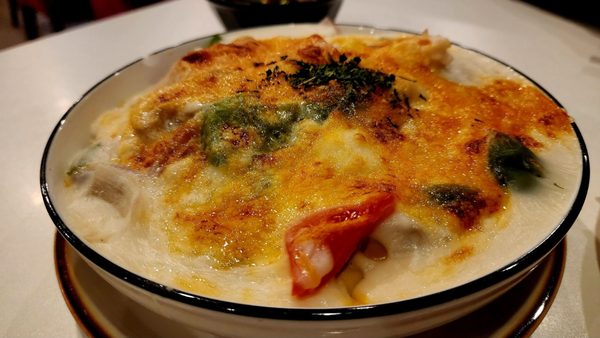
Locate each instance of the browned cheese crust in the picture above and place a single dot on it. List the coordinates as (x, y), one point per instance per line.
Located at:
(424, 131)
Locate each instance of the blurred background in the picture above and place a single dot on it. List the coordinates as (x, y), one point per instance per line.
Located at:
(23, 20)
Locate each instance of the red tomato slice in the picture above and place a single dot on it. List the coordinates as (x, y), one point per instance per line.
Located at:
(319, 245)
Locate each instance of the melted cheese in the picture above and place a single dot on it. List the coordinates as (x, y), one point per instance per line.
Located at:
(211, 220)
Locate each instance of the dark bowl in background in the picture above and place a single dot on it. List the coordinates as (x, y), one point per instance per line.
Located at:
(250, 13)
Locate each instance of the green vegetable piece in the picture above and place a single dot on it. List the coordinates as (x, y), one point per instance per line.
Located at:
(276, 132)
(228, 114)
(76, 169)
(508, 158)
(448, 194)
(82, 163)
(242, 122)
(215, 39)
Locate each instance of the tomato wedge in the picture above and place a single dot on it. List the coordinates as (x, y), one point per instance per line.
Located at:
(319, 245)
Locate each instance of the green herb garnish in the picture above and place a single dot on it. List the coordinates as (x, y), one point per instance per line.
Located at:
(358, 83)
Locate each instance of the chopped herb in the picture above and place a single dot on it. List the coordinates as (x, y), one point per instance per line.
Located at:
(396, 100)
(508, 157)
(407, 79)
(274, 73)
(558, 186)
(358, 83)
(394, 125)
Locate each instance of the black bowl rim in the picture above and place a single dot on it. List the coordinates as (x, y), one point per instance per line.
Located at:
(524, 262)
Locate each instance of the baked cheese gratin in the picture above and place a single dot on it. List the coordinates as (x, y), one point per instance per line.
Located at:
(320, 171)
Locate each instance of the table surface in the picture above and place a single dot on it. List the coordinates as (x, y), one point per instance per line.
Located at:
(41, 79)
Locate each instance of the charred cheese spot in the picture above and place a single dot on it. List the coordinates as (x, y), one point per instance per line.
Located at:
(475, 146)
(464, 202)
(174, 146)
(197, 57)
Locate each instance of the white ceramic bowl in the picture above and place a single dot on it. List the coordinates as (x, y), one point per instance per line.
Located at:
(212, 317)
